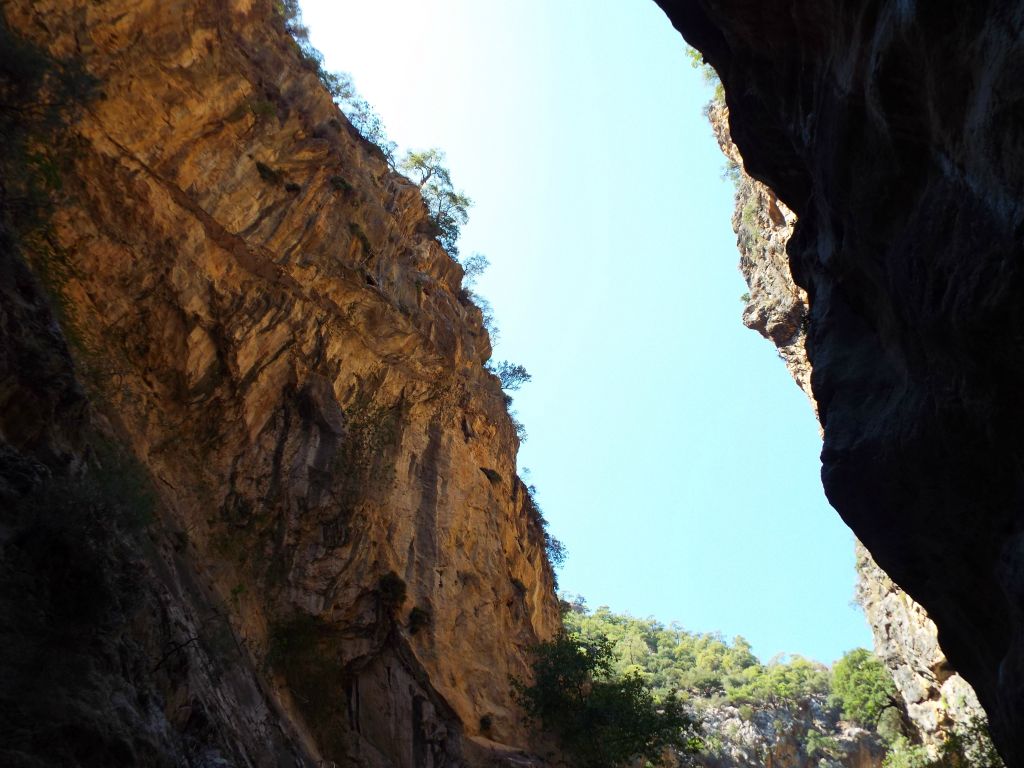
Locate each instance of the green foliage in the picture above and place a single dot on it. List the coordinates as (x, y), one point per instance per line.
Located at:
(707, 72)
(751, 231)
(820, 745)
(449, 209)
(903, 754)
(732, 172)
(781, 682)
(600, 719)
(511, 375)
(554, 549)
(473, 268)
(261, 109)
(968, 746)
(703, 666)
(360, 235)
(862, 687)
(338, 84)
(750, 214)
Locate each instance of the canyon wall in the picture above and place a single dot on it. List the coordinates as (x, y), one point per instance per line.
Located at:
(938, 701)
(892, 131)
(260, 312)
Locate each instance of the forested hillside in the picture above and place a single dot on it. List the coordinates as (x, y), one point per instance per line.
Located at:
(735, 710)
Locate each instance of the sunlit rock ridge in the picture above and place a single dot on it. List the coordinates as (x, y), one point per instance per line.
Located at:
(892, 131)
(344, 567)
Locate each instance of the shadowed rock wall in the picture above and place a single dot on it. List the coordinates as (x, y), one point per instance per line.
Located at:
(893, 131)
(937, 699)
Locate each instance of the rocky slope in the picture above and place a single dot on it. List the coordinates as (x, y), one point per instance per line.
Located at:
(892, 131)
(937, 699)
(262, 316)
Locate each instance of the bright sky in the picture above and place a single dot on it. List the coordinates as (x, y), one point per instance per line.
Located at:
(672, 453)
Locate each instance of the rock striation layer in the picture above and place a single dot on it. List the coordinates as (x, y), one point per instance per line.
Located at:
(263, 316)
(892, 130)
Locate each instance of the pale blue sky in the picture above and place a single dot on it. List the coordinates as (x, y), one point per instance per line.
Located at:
(672, 453)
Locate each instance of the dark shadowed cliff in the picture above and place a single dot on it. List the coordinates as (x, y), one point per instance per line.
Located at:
(893, 131)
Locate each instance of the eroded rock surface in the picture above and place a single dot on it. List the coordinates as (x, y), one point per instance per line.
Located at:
(270, 326)
(892, 130)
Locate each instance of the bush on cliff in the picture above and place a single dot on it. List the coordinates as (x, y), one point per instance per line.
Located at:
(862, 687)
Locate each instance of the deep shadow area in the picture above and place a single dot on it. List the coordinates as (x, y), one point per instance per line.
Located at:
(890, 129)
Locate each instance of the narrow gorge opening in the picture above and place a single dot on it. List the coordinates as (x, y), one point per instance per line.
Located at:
(670, 449)
(267, 490)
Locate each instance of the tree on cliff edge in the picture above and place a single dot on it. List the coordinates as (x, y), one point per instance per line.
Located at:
(449, 209)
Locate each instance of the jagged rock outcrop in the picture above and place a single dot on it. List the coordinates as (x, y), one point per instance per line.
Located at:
(937, 699)
(892, 131)
(775, 306)
(265, 319)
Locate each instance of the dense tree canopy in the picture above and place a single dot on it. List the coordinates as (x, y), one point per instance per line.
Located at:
(700, 666)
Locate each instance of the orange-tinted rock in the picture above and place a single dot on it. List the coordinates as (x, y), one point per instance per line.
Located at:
(299, 372)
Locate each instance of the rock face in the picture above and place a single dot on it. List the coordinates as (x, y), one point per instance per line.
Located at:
(892, 130)
(805, 734)
(937, 699)
(775, 306)
(266, 321)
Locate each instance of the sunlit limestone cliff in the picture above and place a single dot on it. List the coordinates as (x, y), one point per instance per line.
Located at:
(338, 561)
(893, 132)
